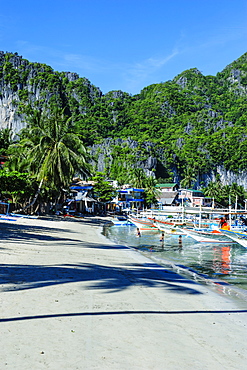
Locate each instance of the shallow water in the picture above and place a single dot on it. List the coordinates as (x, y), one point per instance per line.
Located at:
(227, 262)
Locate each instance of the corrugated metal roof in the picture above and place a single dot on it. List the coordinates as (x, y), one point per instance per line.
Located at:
(193, 190)
(166, 200)
(168, 194)
(168, 185)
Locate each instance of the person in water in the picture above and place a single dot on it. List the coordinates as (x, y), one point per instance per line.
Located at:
(138, 233)
(162, 237)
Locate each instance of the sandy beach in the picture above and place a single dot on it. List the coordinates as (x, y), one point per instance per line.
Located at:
(71, 299)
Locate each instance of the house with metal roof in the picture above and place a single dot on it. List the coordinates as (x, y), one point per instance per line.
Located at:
(168, 194)
(168, 186)
(131, 198)
(81, 200)
(194, 197)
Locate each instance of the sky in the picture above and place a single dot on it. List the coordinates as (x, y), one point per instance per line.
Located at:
(126, 44)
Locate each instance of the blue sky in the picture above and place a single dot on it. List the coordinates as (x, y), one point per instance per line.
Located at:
(126, 44)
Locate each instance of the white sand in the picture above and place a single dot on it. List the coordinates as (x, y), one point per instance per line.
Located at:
(71, 299)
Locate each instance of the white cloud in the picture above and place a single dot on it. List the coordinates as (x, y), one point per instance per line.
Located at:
(158, 63)
(58, 59)
(132, 77)
(138, 74)
(129, 77)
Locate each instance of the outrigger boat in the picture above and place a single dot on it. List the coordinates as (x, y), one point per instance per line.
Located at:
(142, 223)
(7, 216)
(175, 225)
(121, 221)
(239, 237)
(215, 233)
(207, 235)
(170, 225)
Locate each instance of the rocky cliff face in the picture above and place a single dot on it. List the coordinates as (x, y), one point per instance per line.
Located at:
(25, 85)
(155, 165)
(9, 98)
(8, 115)
(103, 155)
(161, 121)
(228, 177)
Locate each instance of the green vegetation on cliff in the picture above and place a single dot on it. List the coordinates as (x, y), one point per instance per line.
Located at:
(195, 121)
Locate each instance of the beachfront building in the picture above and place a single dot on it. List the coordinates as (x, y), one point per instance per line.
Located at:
(192, 197)
(168, 194)
(81, 198)
(129, 198)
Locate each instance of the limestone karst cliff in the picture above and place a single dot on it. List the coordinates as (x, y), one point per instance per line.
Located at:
(193, 121)
(25, 85)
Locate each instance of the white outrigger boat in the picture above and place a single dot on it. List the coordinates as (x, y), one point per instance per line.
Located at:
(173, 226)
(215, 233)
(121, 221)
(143, 223)
(207, 235)
(239, 237)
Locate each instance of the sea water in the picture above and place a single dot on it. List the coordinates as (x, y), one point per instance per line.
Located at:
(226, 262)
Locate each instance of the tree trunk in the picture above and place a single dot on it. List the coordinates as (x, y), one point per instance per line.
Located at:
(34, 199)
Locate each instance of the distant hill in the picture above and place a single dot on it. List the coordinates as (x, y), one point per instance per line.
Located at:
(194, 121)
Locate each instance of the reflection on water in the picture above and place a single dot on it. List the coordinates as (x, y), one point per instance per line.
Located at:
(222, 261)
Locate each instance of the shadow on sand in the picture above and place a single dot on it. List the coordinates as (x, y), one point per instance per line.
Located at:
(29, 233)
(15, 233)
(111, 279)
(110, 313)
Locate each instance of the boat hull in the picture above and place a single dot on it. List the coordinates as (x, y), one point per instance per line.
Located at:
(204, 236)
(237, 237)
(171, 226)
(143, 224)
(121, 222)
(170, 229)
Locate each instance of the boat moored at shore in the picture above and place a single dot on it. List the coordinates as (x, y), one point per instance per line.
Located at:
(143, 223)
(239, 237)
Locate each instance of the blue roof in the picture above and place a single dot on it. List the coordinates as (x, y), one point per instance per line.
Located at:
(81, 187)
(137, 190)
(135, 200)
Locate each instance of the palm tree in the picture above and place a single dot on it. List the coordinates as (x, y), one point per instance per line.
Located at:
(137, 177)
(235, 193)
(53, 152)
(213, 190)
(151, 192)
(189, 177)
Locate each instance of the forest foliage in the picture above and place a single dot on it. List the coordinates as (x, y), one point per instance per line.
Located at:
(195, 122)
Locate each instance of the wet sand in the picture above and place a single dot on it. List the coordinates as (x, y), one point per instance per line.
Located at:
(71, 299)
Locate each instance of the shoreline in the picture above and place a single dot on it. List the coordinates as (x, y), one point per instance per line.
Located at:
(219, 285)
(72, 299)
